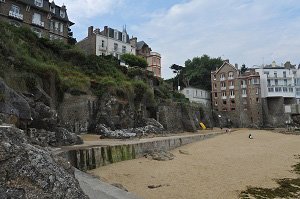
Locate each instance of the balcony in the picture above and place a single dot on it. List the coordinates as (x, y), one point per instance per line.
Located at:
(15, 15)
(230, 78)
(243, 86)
(38, 23)
(244, 95)
(231, 87)
(224, 97)
(222, 79)
(223, 88)
(232, 96)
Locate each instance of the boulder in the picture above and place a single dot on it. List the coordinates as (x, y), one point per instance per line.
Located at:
(32, 172)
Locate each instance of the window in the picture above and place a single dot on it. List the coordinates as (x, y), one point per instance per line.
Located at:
(231, 83)
(223, 84)
(291, 90)
(102, 43)
(269, 82)
(216, 103)
(224, 94)
(230, 75)
(224, 102)
(275, 74)
(52, 9)
(257, 99)
(243, 82)
(232, 101)
(123, 49)
(266, 73)
(216, 95)
(285, 82)
(222, 76)
(56, 26)
(297, 91)
(124, 37)
(285, 89)
(62, 14)
(36, 19)
(271, 90)
(231, 92)
(187, 92)
(255, 81)
(51, 25)
(38, 3)
(116, 34)
(284, 74)
(115, 46)
(276, 82)
(15, 9)
(215, 85)
(244, 92)
(61, 28)
(277, 89)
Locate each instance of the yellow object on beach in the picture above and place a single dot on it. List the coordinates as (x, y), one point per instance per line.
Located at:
(203, 126)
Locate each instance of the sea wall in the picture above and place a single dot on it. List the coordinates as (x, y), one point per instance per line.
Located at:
(87, 158)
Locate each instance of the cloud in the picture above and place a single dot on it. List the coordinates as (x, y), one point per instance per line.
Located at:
(82, 10)
(245, 31)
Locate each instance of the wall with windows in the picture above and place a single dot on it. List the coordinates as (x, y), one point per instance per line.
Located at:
(197, 95)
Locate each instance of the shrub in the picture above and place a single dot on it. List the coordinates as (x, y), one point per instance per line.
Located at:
(133, 60)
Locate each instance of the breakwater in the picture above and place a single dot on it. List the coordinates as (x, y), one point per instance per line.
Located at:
(92, 156)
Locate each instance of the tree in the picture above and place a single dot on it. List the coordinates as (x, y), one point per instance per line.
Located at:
(177, 70)
(243, 69)
(197, 72)
(133, 60)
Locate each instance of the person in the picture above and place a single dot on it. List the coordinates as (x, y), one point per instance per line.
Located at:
(250, 136)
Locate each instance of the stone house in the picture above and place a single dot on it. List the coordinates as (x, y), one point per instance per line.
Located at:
(237, 96)
(153, 58)
(44, 18)
(109, 41)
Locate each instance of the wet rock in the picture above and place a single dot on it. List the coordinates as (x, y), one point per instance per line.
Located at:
(28, 171)
(160, 155)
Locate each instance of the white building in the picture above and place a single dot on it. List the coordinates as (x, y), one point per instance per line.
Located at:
(197, 95)
(109, 41)
(278, 81)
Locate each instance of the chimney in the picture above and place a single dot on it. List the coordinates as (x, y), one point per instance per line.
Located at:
(90, 31)
(97, 31)
(236, 66)
(226, 60)
(133, 41)
(106, 31)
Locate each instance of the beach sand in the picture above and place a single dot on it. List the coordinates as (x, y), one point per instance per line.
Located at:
(220, 167)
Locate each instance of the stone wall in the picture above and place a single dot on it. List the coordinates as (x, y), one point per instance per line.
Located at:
(75, 112)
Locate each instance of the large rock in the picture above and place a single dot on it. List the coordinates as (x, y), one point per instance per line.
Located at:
(27, 171)
(12, 103)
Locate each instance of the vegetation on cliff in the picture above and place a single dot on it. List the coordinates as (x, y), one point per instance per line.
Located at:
(22, 52)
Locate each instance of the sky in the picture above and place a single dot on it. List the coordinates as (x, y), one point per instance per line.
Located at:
(250, 32)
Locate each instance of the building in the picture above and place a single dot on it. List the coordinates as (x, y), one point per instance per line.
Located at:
(109, 41)
(197, 95)
(237, 96)
(44, 18)
(280, 88)
(153, 58)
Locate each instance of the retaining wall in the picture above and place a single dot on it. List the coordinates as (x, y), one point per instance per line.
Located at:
(92, 157)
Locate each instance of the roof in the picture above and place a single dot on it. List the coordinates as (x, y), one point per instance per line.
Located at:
(140, 44)
(224, 63)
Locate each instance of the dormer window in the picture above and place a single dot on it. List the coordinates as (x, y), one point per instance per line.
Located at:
(38, 3)
(52, 9)
(116, 34)
(62, 14)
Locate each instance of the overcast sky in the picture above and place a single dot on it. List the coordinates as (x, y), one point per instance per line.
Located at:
(250, 32)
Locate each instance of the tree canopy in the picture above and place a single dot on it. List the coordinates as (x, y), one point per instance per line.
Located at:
(197, 72)
(133, 60)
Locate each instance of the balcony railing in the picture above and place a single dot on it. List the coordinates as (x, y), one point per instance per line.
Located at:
(231, 87)
(223, 88)
(15, 15)
(244, 86)
(244, 95)
(38, 23)
(224, 97)
(232, 96)
(230, 77)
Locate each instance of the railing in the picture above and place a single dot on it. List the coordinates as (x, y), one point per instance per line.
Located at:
(38, 23)
(15, 15)
(244, 95)
(223, 88)
(231, 87)
(230, 77)
(232, 96)
(244, 86)
(224, 97)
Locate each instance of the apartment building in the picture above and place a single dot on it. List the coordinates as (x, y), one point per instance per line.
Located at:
(237, 95)
(153, 58)
(109, 41)
(44, 18)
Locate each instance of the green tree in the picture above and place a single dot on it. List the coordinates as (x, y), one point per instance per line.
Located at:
(243, 69)
(197, 72)
(133, 60)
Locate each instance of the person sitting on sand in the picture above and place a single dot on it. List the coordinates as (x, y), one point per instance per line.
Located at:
(250, 136)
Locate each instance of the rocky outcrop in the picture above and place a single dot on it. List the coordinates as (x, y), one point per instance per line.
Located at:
(11, 103)
(28, 171)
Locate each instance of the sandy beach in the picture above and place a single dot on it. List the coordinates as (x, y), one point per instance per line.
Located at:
(215, 168)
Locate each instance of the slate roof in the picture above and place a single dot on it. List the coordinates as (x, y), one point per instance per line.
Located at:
(140, 44)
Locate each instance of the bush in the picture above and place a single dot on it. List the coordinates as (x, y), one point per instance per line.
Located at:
(133, 60)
